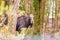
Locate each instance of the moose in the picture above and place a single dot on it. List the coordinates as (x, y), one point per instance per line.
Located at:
(24, 22)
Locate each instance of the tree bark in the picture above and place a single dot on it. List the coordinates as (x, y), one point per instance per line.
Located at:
(12, 16)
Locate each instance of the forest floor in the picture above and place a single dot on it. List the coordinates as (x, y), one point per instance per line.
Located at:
(19, 37)
(32, 37)
(48, 36)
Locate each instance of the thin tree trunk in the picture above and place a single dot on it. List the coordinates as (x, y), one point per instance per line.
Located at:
(12, 16)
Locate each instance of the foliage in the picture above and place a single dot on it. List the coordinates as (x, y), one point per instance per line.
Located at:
(37, 16)
(21, 7)
(2, 7)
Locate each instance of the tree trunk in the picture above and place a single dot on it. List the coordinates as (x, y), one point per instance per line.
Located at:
(12, 16)
(28, 5)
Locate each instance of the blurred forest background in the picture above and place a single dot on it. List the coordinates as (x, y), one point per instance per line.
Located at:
(46, 15)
